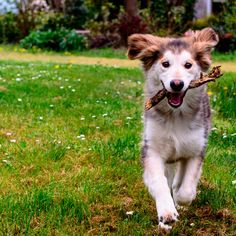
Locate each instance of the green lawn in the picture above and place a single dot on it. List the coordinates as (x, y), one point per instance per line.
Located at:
(105, 52)
(70, 155)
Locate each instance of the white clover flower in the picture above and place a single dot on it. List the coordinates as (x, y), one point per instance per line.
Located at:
(129, 213)
(82, 118)
(19, 100)
(61, 87)
(18, 79)
(13, 140)
(8, 134)
(81, 137)
(6, 161)
(105, 115)
(73, 90)
(40, 117)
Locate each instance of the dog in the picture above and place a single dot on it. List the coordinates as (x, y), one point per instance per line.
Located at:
(175, 130)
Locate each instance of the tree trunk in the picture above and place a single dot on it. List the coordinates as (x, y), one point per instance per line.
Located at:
(131, 7)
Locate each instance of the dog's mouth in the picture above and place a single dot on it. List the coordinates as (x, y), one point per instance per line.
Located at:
(175, 99)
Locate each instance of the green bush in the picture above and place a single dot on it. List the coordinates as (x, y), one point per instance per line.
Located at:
(170, 17)
(58, 40)
(9, 31)
(76, 12)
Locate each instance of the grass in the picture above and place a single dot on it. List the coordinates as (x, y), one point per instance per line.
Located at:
(101, 52)
(70, 153)
(104, 53)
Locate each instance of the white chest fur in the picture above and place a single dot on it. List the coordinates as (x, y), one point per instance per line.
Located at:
(174, 139)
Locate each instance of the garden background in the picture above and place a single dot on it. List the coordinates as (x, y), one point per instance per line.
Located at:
(71, 118)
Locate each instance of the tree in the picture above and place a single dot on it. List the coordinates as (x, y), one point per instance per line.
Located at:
(131, 7)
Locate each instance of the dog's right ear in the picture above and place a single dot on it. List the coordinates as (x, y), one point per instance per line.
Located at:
(141, 46)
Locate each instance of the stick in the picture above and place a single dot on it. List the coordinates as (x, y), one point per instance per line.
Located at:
(211, 76)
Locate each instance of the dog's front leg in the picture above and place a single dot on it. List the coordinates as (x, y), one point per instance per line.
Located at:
(190, 177)
(156, 181)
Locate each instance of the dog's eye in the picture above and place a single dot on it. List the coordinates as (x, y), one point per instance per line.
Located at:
(165, 64)
(188, 65)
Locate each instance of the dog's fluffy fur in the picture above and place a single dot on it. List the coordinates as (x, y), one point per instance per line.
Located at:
(175, 130)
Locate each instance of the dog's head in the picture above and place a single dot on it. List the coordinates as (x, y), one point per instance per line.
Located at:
(174, 62)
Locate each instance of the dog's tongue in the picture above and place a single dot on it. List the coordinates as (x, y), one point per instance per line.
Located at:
(175, 99)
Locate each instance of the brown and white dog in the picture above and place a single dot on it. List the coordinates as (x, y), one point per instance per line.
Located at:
(175, 130)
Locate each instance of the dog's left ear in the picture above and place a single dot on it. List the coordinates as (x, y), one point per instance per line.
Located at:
(203, 43)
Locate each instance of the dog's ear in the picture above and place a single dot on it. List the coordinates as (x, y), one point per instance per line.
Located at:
(145, 47)
(142, 45)
(203, 43)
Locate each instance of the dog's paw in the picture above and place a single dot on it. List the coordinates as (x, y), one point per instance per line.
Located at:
(168, 217)
(166, 228)
(184, 197)
(166, 221)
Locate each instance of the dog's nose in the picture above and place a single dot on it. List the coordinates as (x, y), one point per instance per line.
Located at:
(176, 85)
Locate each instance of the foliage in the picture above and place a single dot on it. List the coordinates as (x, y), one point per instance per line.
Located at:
(17, 25)
(224, 23)
(59, 40)
(170, 17)
(9, 31)
(103, 32)
(128, 25)
(76, 13)
(114, 32)
(96, 9)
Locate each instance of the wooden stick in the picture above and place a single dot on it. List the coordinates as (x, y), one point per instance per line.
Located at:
(211, 76)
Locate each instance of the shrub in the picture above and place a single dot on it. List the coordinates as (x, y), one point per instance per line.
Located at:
(59, 40)
(9, 32)
(103, 31)
(128, 25)
(170, 17)
(76, 12)
(107, 32)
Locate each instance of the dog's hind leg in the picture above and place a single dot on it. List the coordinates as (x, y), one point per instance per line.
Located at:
(190, 172)
(170, 173)
(156, 181)
(178, 178)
